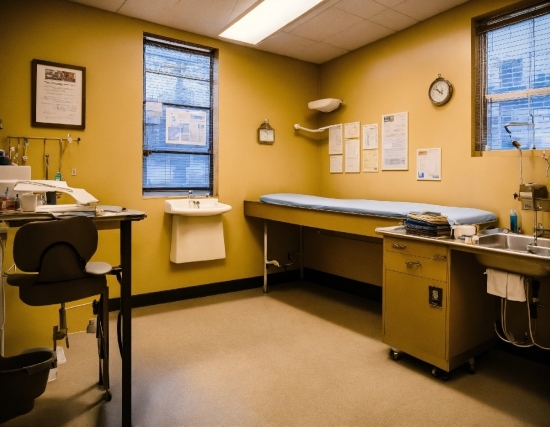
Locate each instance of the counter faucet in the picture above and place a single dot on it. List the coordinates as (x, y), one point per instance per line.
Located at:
(535, 229)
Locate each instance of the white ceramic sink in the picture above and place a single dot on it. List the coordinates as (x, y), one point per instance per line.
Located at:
(195, 207)
(197, 229)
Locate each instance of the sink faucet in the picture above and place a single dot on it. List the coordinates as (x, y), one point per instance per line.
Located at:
(535, 229)
(190, 194)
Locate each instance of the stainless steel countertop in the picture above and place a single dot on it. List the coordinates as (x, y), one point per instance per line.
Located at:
(399, 231)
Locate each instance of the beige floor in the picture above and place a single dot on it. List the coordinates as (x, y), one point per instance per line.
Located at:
(302, 355)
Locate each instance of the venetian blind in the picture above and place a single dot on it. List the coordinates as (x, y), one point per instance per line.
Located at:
(177, 117)
(513, 79)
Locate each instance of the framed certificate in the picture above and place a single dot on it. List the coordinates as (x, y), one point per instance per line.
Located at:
(58, 95)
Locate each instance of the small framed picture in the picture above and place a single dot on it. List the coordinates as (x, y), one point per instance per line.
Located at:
(58, 95)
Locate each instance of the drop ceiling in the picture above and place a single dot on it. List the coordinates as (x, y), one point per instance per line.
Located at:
(332, 29)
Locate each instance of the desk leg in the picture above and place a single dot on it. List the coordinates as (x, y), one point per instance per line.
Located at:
(126, 309)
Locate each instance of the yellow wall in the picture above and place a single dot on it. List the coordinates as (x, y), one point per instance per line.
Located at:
(389, 76)
(109, 157)
(392, 76)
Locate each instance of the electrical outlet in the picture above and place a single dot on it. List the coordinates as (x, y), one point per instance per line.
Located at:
(73, 171)
(91, 326)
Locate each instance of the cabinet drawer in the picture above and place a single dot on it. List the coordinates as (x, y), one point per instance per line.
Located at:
(417, 266)
(411, 324)
(412, 247)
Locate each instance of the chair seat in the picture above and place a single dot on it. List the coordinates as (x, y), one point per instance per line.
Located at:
(35, 293)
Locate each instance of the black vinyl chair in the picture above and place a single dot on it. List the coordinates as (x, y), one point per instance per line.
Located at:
(57, 255)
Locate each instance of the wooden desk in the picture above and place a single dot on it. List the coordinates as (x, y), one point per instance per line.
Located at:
(123, 221)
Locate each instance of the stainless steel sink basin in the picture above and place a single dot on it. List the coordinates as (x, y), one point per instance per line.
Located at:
(512, 242)
(515, 253)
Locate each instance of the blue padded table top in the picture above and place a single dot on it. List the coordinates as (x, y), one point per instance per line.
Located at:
(455, 215)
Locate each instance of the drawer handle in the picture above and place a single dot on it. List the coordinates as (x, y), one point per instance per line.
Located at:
(412, 264)
(396, 246)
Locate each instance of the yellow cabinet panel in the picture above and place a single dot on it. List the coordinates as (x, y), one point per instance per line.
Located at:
(416, 266)
(411, 324)
(418, 248)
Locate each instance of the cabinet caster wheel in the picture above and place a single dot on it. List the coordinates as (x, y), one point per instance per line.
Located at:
(440, 373)
(394, 354)
(107, 396)
(472, 366)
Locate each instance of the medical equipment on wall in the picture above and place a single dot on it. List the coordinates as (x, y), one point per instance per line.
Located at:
(533, 196)
(20, 151)
(324, 105)
(297, 127)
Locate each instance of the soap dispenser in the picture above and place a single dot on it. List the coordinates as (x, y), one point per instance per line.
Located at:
(513, 221)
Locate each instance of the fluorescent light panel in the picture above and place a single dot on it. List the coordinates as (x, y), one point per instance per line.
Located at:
(266, 18)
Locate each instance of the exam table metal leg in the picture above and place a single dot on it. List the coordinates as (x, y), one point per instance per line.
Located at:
(301, 254)
(265, 256)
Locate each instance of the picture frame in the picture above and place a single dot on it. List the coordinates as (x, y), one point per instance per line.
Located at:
(58, 95)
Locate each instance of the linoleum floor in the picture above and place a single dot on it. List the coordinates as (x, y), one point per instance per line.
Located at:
(301, 355)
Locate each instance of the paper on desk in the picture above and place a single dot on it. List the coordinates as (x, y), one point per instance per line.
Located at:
(81, 196)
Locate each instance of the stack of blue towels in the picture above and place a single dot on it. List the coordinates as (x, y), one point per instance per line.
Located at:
(427, 224)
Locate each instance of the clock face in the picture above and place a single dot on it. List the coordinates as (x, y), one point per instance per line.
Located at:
(266, 135)
(440, 91)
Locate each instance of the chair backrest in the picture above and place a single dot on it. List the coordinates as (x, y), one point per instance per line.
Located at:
(57, 250)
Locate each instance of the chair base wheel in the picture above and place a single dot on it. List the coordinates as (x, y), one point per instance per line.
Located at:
(472, 366)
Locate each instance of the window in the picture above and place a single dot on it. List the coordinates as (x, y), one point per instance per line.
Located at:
(178, 114)
(513, 79)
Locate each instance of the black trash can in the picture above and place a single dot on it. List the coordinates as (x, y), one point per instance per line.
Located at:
(22, 379)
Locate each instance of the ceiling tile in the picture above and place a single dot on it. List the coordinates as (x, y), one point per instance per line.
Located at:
(359, 35)
(394, 20)
(155, 11)
(196, 16)
(240, 7)
(110, 5)
(329, 30)
(363, 8)
(294, 46)
(424, 9)
(304, 18)
(390, 3)
(326, 24)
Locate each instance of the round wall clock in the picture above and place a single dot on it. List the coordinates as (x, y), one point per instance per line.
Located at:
(440, 91)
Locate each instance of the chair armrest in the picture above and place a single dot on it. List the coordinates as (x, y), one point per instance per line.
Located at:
(98, 268)
(21, 279)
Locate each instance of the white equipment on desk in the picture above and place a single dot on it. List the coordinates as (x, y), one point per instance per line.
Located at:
(81, 196)
(10, 175)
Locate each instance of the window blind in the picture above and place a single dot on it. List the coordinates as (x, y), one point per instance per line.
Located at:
(513, 79)
(178, 78)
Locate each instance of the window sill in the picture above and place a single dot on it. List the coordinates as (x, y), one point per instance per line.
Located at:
(509, 153)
